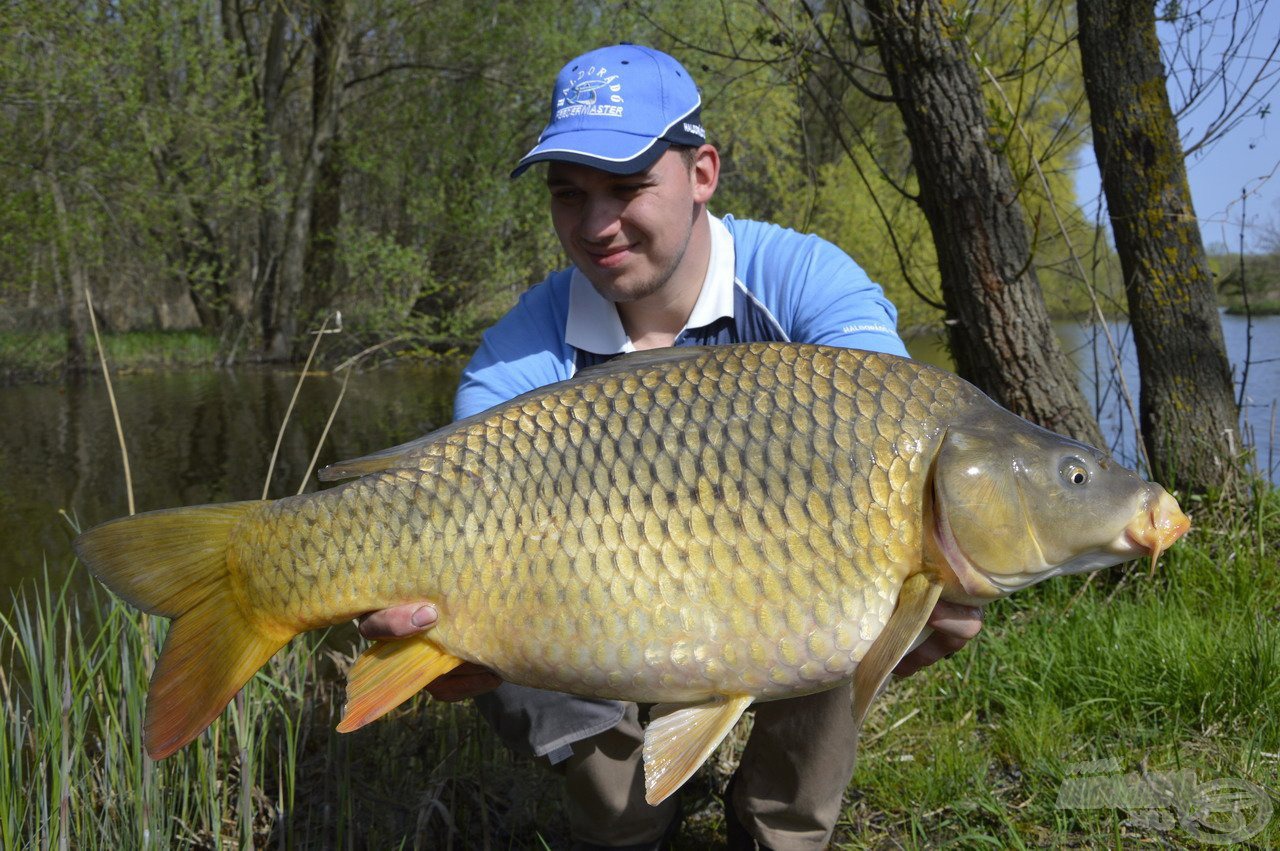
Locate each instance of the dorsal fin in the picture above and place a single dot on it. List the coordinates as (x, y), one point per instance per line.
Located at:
(408, 454)
(632, 361)
(384, 459)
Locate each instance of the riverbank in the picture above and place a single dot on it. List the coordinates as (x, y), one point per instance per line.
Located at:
(1262, 274)
(1267, 305)
(1158, 693)
(40, 356)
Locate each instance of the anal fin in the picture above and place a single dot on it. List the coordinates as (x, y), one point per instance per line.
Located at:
(681, 736)
(388, 674)
(916, 600)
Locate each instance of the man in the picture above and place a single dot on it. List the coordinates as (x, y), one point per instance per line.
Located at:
(630, 177)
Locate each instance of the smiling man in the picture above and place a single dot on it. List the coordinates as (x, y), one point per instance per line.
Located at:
(630, 176)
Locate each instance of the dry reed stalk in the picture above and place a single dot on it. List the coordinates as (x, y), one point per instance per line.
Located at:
(315, 456)
(347, 365)
(266, 486)
(111, 396)
(144, 622)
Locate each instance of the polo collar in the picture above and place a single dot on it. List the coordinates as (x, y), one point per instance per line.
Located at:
(593, 323)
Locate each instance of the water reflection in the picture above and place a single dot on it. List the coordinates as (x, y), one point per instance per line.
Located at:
(193, 437)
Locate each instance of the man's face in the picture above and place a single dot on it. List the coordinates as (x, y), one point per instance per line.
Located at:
(627, 233)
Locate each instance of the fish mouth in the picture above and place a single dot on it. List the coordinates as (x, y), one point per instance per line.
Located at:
(1154, 529)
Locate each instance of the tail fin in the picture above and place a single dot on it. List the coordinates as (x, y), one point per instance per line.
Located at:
(174, 563)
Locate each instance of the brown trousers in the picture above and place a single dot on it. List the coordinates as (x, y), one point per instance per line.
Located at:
(787, 791)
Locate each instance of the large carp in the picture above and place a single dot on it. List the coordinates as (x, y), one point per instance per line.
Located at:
(695, 527)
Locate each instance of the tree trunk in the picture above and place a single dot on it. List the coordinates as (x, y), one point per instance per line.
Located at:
(71, 294)
(330, 45)
(269, 89)
(326, 205)
(1188, 410)
(322, 255)
(1000, 333)
(75, 311)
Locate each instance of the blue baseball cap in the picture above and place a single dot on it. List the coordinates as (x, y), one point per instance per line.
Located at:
(618, 109)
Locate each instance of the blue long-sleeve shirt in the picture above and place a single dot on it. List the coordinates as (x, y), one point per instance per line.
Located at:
(764, 283)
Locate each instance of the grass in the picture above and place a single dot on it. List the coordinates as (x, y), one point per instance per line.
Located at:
(39, 356)
(1175, 673)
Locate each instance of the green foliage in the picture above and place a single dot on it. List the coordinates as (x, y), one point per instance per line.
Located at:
(855, 151)
(131, 113)
(271, 770)
(31, 356)
(178, 157)
(884, 232)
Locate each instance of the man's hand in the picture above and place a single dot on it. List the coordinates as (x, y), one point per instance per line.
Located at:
(466, 680)
(953, 626)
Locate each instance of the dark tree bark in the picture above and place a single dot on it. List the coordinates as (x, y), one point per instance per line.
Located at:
(330, 45)
(197, 256)
(1188, 410)
(322, 256)
(999, 329)
(326, 204)
(265, 67)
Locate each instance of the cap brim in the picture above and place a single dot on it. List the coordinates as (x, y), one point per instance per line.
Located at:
(616, 153)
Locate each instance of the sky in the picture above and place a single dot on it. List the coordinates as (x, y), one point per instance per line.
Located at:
(1247, 156)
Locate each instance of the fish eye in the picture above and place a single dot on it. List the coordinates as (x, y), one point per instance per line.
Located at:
(1074, 472)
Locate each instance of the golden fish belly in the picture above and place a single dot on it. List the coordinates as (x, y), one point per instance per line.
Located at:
(738, 522)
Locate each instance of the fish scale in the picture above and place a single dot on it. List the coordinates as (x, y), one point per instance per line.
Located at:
(700, 496)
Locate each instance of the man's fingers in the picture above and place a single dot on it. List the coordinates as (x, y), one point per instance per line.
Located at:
(952, 619)
(466, 680)
(953, 626)
(926, 654)
(397, 621)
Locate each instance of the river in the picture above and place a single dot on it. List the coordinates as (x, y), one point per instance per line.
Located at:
(207, 436)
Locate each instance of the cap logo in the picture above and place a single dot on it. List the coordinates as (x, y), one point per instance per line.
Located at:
(585, 93)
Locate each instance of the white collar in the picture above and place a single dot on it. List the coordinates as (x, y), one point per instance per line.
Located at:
(593, 323)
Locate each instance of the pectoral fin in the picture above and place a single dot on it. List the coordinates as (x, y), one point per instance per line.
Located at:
(388, 674)
(680, 737)
(916, 600)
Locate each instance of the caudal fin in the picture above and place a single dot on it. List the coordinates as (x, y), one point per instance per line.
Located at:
(174, 563)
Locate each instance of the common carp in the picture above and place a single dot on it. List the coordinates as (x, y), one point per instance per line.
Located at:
(699, 528)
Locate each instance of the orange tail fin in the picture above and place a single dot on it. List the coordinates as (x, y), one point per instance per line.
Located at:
(174, 563)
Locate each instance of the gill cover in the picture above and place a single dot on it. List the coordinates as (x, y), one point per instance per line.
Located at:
(1015, 504)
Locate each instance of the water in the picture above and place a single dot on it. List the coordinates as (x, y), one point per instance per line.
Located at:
(193, 437)
(206, 436)
(1087, 345)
